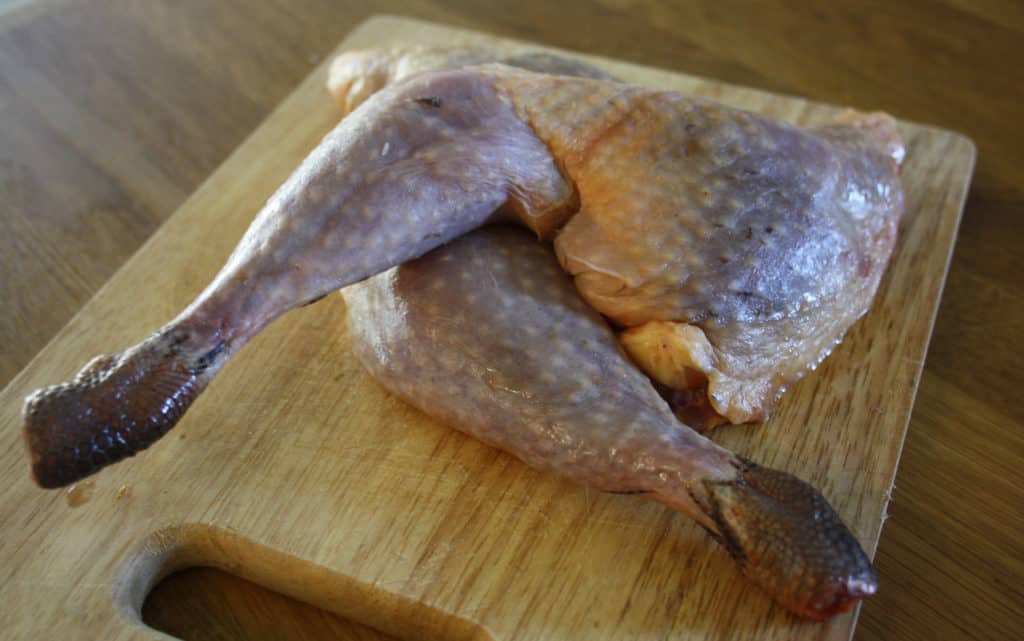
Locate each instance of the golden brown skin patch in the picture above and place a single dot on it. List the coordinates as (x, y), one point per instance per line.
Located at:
(767, 238)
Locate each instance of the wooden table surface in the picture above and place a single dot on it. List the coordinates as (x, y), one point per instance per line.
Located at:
(113, 111)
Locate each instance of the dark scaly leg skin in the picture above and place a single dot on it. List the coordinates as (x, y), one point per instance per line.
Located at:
(417, 165)
(118, 404)
(788, 540)
(488, 335)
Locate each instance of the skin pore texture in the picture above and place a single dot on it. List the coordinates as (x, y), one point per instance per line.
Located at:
(735, 250)
(525, 365)
(731, 251)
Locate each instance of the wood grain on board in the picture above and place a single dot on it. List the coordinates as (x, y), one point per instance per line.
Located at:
(298, 472)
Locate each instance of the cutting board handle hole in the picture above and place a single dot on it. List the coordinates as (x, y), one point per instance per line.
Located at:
(200, 546)
(203, 604)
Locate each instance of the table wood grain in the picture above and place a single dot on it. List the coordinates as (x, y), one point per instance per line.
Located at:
(112, 112)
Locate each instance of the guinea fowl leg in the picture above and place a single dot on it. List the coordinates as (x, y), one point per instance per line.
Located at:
(734, 250)
(671, 190)
(417, 165)
(490, 336)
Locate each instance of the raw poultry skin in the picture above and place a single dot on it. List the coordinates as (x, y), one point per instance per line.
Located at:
(488, 335)
(745, 244)
(354, 76)
(736, 250)
(432, 157)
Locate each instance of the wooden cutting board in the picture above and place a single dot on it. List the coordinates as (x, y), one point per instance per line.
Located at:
(298, 472)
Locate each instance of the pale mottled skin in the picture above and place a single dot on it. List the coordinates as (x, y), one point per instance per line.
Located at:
(489, 335)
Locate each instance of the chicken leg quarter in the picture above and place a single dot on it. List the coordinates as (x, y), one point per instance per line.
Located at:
(488, 335)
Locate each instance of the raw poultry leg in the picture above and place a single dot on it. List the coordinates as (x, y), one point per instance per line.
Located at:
(416, 166)
(658, 186)
(735, 250)
(488, 335)
(354, 76)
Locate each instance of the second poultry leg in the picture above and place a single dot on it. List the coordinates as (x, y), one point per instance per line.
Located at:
(412, 168)
(489, 336)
